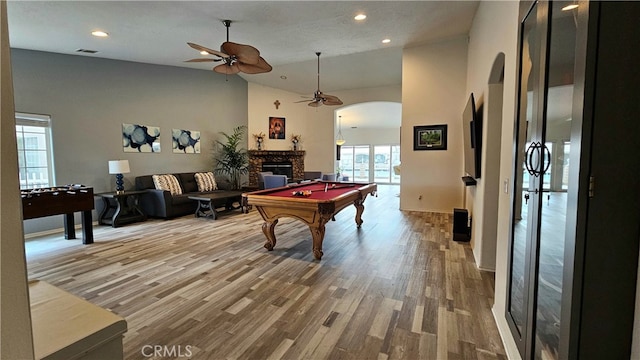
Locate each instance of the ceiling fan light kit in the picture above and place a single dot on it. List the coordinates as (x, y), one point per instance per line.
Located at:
(340, 139)
(236, 57)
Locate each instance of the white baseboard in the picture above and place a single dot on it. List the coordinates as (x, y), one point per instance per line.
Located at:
(508, 343)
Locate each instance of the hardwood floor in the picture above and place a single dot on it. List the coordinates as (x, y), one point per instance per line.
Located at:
(398, 288)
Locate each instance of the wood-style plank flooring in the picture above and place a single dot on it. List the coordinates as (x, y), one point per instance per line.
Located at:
(398, 288)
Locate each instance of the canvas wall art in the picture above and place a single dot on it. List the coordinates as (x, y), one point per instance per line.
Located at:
(140, 138)
(186, 141)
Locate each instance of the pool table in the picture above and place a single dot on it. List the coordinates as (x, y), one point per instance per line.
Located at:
(315, 203)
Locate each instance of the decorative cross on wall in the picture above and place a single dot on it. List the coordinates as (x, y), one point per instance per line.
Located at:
(277, 104)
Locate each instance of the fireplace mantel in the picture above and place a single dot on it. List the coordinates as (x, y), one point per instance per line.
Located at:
(257, 157)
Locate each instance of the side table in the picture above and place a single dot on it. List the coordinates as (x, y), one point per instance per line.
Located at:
(121, 209)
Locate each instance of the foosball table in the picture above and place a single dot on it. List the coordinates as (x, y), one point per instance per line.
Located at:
(62, 200)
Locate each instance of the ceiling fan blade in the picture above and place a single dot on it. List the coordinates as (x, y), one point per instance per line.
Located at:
(202, 60)
(264, 64)
(303, 101)
(227, 69)
(210, 51)
(331, 100)
(261, 67)
(244, 53)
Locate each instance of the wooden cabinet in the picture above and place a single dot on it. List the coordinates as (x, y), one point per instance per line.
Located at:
(576, 195)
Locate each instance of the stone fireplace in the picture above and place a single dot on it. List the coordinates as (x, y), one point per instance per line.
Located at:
(270, 160)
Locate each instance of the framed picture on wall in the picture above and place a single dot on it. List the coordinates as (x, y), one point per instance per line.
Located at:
(430, 137)
(276, 127)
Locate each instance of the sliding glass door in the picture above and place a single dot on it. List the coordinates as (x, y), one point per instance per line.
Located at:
(385, 158)
(357, 163)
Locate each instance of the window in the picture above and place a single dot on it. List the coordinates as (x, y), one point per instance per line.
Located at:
(35, 156)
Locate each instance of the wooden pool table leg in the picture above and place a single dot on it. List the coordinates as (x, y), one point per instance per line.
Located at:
(268, 230)
(317, 233)
(359, 211)
(317, 230)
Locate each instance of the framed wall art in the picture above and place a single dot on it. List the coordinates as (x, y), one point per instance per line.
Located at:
(276, 128)
(430, 137)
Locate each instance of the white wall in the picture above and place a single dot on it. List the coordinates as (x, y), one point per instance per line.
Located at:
(488, 38)
(316, 125)
(433, 92)
(371, 136)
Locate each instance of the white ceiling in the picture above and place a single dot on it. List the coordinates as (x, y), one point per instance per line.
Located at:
(287, 33)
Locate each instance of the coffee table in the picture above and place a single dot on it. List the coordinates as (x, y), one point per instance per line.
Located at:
(209, 203)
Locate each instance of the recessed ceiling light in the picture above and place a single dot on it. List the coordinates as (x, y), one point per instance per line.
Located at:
(99, 33)
(386, 41)
(360, 17)
(570, 7)
(283, 77)
(204, 52)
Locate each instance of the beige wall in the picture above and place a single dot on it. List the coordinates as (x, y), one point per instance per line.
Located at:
(433, 92)
(488, 38)
(15, 328)
(316, 125)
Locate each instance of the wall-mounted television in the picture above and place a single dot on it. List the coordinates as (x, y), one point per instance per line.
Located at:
(472, 136)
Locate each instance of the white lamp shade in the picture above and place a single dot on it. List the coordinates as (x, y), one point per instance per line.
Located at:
(119, 166)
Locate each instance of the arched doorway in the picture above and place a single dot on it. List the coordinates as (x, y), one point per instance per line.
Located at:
(371, 131)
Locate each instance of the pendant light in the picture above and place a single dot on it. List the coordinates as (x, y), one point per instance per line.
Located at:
(340, 139)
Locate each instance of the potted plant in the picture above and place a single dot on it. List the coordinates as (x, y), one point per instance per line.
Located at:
(259, 139)
(232, 159)
(295, 139)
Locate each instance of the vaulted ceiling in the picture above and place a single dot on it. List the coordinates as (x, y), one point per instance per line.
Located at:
(287, 33)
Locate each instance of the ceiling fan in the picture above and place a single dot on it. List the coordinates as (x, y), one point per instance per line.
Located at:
(236, 57)
(319, 97)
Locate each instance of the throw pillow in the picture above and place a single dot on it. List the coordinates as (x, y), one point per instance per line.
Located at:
(167, 182)
(206, 181)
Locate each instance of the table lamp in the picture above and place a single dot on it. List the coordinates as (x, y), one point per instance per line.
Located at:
(119, 167)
